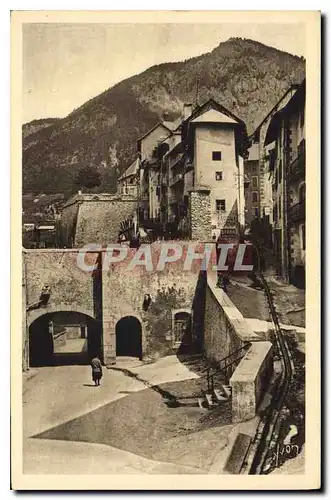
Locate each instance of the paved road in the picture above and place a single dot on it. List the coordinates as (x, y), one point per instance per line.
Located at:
(54, 395)
(63, 457)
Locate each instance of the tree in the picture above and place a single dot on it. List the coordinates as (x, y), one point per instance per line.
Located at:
(88, 177)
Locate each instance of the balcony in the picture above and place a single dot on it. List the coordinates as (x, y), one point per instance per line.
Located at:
(175, 198)
(151, 162)
(297, 212)
(129, 190)
(177, 160)
(176, 178)
(297, 168)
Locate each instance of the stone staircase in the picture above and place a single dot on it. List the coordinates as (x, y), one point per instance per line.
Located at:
(215, 398)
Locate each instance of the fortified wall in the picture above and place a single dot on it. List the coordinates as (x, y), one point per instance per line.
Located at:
(94, 218)
(105, 293)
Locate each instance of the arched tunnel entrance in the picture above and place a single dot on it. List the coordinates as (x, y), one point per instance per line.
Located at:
(129, 337)
(63, 338)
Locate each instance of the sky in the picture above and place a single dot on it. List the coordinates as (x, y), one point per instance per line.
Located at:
(64, 65)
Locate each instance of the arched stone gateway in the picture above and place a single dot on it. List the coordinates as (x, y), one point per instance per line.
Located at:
(129, 337)
(63, 338)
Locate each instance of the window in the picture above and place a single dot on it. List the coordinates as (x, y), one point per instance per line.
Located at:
(220, 205)
(280, 207)
(217, 155)
(219, 176)
(254, 182)
(255, 212)
(254, 169)
(255, 196)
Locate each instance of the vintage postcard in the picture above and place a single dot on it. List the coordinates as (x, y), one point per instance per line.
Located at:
(165, 250)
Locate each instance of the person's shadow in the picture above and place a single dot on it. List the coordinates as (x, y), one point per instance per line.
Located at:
(89, 385)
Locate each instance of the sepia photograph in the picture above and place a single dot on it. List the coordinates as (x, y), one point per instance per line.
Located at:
(162, 193)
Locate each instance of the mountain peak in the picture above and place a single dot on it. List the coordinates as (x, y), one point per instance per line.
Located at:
(245, 76)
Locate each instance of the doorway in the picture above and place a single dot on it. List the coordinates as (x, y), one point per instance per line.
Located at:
(129, 337)
(63, 338)
(182, 331)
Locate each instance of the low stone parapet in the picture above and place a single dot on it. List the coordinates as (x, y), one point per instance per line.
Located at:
(250, 379)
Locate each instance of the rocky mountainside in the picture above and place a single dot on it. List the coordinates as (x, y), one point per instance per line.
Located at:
(34, 126)
(245, 76)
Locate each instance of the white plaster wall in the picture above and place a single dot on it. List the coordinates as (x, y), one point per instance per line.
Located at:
(209, 138)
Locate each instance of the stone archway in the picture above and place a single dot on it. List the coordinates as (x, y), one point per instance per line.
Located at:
(129, 337)
(63, 338)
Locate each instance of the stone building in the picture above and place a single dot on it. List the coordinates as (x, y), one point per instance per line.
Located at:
(285, 138)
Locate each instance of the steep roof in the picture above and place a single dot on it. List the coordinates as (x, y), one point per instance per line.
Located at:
(281, 103)
(210, 105)
(213, 116)
(213, 112)
(168, 125)
(131, 170)
(296, 100)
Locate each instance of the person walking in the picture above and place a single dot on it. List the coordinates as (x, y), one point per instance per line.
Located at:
(225, 282)
(96, 370)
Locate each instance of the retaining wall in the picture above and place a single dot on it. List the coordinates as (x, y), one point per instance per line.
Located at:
(225, 329)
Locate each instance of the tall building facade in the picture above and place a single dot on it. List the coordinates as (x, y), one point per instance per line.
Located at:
(252, 185)
(215, 143)
(260, 151)
(285, 139)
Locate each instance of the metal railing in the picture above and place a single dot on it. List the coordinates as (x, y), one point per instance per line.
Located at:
(224, 364)
(297, 167)
(176, 178)
(271, 422)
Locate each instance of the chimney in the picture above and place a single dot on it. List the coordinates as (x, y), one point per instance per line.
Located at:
(187, 110)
